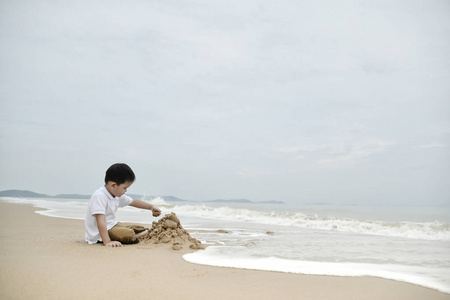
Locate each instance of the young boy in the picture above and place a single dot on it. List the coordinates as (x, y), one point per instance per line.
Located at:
(100, 221)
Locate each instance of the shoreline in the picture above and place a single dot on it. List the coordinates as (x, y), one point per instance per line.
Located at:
(46, 258)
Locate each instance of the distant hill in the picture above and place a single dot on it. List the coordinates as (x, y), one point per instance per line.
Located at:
(173, 199)
(231, 200)
(271, 202)
(245, 201)
(30, 194)
(71, 196)
(21, 193)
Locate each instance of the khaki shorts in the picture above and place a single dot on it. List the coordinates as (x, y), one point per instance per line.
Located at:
(125, 233)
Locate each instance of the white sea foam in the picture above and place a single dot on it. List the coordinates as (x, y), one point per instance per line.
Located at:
(415, 230)
(222, 256)
(58, 208)
(158, 201)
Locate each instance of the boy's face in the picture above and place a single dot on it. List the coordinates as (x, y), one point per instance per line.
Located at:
(118, 190)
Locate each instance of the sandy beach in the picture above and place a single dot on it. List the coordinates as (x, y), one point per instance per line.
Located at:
(47, 258)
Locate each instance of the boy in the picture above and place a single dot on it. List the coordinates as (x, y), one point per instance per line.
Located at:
(100, 222)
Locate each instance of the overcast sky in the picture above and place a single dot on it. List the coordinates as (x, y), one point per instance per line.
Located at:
(297, 101)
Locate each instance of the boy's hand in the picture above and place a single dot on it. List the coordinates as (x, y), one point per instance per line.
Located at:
(156, 211)
(114, 244)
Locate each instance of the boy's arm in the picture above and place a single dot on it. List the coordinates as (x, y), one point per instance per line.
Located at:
(101, 224)
(144, 205)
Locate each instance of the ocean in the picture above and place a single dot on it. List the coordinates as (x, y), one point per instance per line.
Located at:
(409, 244)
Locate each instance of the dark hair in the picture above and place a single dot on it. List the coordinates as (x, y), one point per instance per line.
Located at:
(119, 173)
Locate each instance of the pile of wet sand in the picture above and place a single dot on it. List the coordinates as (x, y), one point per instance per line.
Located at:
(169, 230)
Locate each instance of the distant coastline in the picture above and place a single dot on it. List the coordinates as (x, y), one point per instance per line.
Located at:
(30, 194)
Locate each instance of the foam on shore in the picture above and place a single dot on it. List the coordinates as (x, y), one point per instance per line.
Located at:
(223, 256)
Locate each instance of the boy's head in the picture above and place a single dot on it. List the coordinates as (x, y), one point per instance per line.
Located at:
(118, 179)
(119, 173)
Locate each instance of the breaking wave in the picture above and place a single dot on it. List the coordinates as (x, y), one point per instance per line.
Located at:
(428, 230)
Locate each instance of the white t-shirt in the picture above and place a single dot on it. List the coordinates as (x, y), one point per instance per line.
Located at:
(102, 203)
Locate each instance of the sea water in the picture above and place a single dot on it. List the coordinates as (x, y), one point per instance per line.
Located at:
(410, 244)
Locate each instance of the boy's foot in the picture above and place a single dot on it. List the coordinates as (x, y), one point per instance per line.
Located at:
(142, 234)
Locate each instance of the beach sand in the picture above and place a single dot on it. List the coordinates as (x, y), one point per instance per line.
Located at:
(47, 258)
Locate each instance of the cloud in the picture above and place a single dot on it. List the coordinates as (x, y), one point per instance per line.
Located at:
(357, 152)
(339, 152)
(250, 90)
(252, 173)
(288, 149)
(433, 145)
(309, 148)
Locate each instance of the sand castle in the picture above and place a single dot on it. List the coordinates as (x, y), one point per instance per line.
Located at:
(169, 230)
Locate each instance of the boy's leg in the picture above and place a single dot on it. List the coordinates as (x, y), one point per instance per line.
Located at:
(127, 233)
(123, 234)
(139, 230)
(136, 228)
